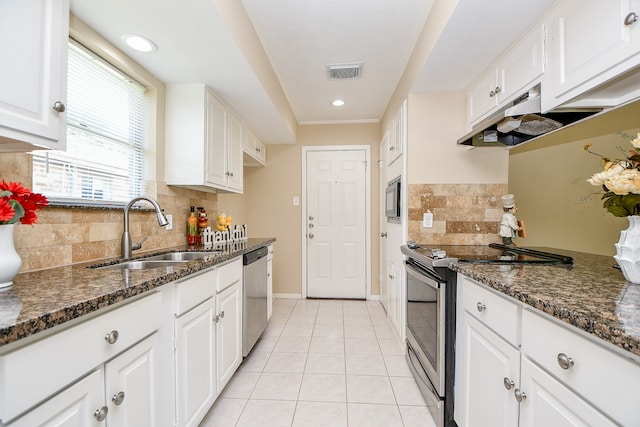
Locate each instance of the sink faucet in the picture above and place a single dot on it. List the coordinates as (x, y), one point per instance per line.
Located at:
(127, 246)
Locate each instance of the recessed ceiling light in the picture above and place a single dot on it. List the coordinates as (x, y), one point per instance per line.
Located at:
(140, 43)
(338, 103)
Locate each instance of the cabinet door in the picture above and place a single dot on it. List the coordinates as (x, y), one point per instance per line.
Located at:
(73, 407)
(589, 40)
(228, 334)
(234, 152)
(35, 37)
(195, 364)
(523, 65)
(481, 98)
(549, 403)
(270, 283)
(487, 360)
(216, 147)
(130, 384)
(395, 297)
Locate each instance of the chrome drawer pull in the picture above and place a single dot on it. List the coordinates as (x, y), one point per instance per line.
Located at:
(564, 361)
(101, 414)
(520, 395)
(507, 383)
(111, 337)
(481, 307)
(630, 18)
(118, 398)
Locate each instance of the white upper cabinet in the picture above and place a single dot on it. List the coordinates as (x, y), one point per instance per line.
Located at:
(254, 149)
(592, 43)
(514, 72)
(396, 134)
(203, 147)
(33, 77)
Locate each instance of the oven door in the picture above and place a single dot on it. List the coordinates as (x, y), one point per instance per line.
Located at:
(426, 322)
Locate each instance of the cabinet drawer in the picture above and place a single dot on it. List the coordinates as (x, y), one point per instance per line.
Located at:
(229, 274)
(605, 378)
(495, 311)
(34, 372)
(195, 290)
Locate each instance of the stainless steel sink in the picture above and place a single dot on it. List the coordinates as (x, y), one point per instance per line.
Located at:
(143, 264)
(179, 256)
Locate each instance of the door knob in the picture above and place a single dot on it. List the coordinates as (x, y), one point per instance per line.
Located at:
(58, 106)
(630, 18)
(383, 234)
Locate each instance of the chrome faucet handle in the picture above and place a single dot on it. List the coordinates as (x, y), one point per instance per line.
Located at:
(138, 245)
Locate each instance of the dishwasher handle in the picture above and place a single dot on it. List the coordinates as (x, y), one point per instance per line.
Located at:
(253, 256)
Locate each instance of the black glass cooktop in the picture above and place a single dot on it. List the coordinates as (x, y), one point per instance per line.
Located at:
(490, 254)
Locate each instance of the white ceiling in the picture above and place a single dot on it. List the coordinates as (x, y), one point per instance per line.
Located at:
(300, 38)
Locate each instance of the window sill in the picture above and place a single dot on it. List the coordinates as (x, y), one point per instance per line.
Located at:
(95, 205)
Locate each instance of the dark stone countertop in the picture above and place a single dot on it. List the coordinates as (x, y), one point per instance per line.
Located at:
(590, 295)
(43, 299)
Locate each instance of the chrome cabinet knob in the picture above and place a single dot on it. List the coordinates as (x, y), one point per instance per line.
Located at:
(216, 319)
(101, 414)
(311, 235)
(59, 107)
(222, 314)
(630, 19)
(481, 307)
(383, 234)
(310, 218)
(111, 337)
(507, 383)
(118, 398)
(520, 395)
(310, 225)
(564, 361)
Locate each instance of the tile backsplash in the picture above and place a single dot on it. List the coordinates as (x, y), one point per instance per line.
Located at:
(65, 235)
(463, 214)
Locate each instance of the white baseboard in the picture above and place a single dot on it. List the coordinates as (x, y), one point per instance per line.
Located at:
(287, 296)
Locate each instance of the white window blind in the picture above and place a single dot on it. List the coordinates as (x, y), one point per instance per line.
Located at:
(105, 135)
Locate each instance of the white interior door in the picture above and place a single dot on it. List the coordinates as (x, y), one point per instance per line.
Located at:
(336, 223)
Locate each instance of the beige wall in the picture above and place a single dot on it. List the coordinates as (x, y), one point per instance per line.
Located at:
(269, 193)
(435, 122)
(548, 176)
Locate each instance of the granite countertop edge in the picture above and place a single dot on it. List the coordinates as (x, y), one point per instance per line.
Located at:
(29, 307)
(602, 325)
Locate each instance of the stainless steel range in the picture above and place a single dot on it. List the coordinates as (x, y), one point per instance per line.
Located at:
(431, 309)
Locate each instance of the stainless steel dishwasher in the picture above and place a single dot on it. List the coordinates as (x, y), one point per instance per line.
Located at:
(254, 312)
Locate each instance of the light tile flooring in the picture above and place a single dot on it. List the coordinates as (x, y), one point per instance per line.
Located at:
(323, 363)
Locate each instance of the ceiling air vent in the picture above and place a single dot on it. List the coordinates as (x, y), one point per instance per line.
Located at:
(344, 71)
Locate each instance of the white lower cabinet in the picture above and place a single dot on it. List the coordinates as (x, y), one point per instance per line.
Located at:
(488, 363)
(518, 367)
(269, 282)
(119, 390)
(228, 334)
(208, 339)
(396, 305)
(549, 403)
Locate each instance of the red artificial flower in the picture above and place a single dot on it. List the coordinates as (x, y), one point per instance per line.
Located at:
(6, 210)
(19, 203)
(15, 187)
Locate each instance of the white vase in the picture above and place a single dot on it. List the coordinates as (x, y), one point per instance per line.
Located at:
(628, 250)
(10, 261)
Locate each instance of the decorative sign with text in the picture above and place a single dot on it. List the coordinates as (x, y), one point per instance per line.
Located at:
(237, 233)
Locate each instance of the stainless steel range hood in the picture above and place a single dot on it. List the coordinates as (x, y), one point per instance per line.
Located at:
(520, 121)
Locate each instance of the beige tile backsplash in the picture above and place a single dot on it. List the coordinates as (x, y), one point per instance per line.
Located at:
(64, 236)
(463, 214)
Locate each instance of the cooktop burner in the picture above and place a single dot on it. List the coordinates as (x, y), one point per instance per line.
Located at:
(491, 254)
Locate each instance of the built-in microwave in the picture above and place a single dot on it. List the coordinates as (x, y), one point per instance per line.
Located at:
(392, 200)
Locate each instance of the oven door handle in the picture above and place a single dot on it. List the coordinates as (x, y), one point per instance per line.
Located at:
(421, 275)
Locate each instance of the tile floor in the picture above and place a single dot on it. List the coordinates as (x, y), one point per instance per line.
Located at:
(323, 363)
